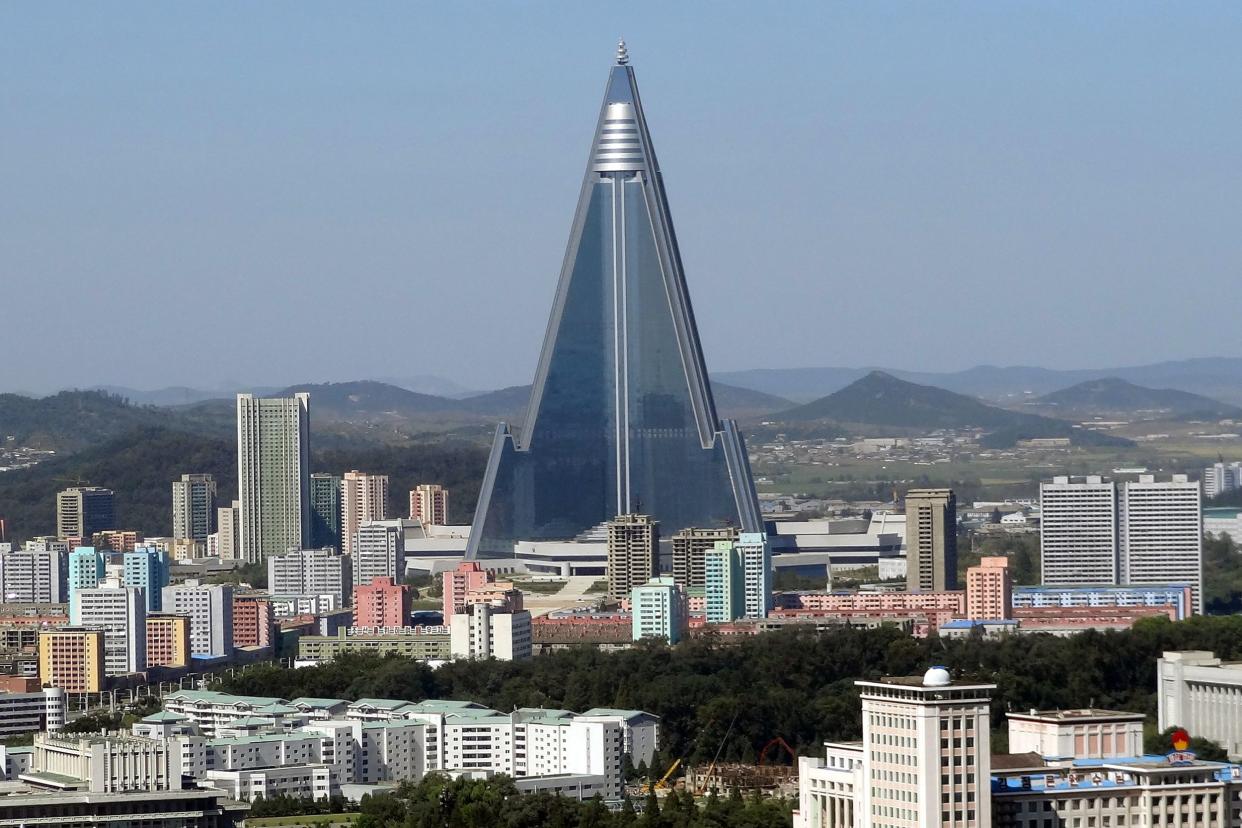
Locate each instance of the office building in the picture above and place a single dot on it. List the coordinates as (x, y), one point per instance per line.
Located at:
(621, 417)
(84, 510)
(325, 506)
(364, 498)
(1220, 478)
(254, 621)
(147, 568)
(989, 590)
(34, 576)
(1161, 533)
(310, 572)
(1078, 540)
(168, 640)
(121, 612)
(210, 608)
(72, 658)
(690, 545)
(1067, 734)
(86, 569)
(633, 553)
(482, 631)
(658, 609)
(468, 576)
(228, 537)
(273, 478)
(429, 504)
(31, 711)
(930, 741)
(194, 506)
(382, 603)
(379, 550)
(931, 540)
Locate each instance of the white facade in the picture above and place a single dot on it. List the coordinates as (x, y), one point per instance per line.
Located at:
(379, 550)
(1078, 734)
(1078, 531)
(364, 498)
(755, 560)
(210, 607)
(1220, 478)
(228, 528)
(108, 764)
(1199, 692)
(1162, 533)
(34, 576)
(828, 788)
(482, 631)
(310, 572)
(273, 475)
(121, 612)
(28, 712)
(301, 781)
(1223, 520)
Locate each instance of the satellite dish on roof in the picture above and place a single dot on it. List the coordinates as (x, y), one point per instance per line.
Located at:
(937, 677)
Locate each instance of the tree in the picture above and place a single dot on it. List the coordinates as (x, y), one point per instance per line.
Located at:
(1162, 742)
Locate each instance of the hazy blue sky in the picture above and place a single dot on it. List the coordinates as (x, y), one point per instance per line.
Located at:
(274, 193)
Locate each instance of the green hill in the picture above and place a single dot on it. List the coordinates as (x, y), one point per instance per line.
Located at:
(882, 400)
(72, 420)
(1117, 396)
(141, 465)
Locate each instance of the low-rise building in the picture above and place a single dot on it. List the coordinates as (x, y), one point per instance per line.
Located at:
(1060, 734)
(100, 763)
(1178, 596)
(32, 711)
(420, 643)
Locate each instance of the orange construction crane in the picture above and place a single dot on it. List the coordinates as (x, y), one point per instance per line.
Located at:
(778, 741)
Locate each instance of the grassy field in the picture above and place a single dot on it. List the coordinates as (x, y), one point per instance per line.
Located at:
(542, 587)
(310, 821)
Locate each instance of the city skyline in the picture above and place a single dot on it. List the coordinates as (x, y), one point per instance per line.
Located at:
(1057, 189)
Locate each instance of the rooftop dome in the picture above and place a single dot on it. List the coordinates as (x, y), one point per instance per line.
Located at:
(936, 677)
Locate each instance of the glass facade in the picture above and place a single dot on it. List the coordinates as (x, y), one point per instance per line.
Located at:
(621, 417)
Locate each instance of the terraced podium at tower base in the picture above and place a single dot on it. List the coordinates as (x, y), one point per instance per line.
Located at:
(621, 417)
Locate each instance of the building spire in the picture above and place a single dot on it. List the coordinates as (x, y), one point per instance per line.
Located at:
(623, 55)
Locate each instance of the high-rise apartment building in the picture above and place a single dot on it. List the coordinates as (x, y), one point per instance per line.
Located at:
(1078, 531)
(84, 510)
(429, 504)
(228, 532)
(310, 572)
(621, 416)
(989, 590)
(1161, 532)
(147, 569)
(379, 550)
(689, 548)
(86, 569)
(194, 506)
(325, 505)
(482, 631)
(633, 550)
(737, 579)
(254, 621)
(658, 610)
(1220, 478)
(364, 497)
(273, 475)
(468, 576)
(168, 640)
(210, 608)
(929, 741)
(72, 658)
(931, 540)
(381, 602)
(32, 576)
(121, 612)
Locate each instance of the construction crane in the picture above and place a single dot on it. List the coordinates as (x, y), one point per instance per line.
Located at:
(701, 788)
(778, 741)
(662, 784)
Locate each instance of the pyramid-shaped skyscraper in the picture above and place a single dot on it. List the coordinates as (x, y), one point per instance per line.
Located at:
(621, 418)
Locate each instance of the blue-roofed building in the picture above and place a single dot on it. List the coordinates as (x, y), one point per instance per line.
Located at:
(1179, 596)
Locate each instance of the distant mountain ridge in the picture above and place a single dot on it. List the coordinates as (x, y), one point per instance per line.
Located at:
(1112, 395)
(1219, 378)
(882, 400)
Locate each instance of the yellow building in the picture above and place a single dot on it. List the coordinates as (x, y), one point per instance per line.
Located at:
(168, 640)
(72, 658)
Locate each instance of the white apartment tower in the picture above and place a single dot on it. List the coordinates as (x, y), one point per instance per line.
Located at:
(1078, 531)
(194, 506)
(364, 497)
(210, 607)
(228, 539)
(1162, 533)
(1219, 478)
(379, 550)
(310, 572)
(929, 763)
(273, 475)
(33, 576)
(121, 612)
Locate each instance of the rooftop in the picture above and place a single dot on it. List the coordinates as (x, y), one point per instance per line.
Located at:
(1080, 714)
(307, 701)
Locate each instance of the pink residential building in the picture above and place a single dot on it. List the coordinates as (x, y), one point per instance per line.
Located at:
(467, 577)
(381, 603)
